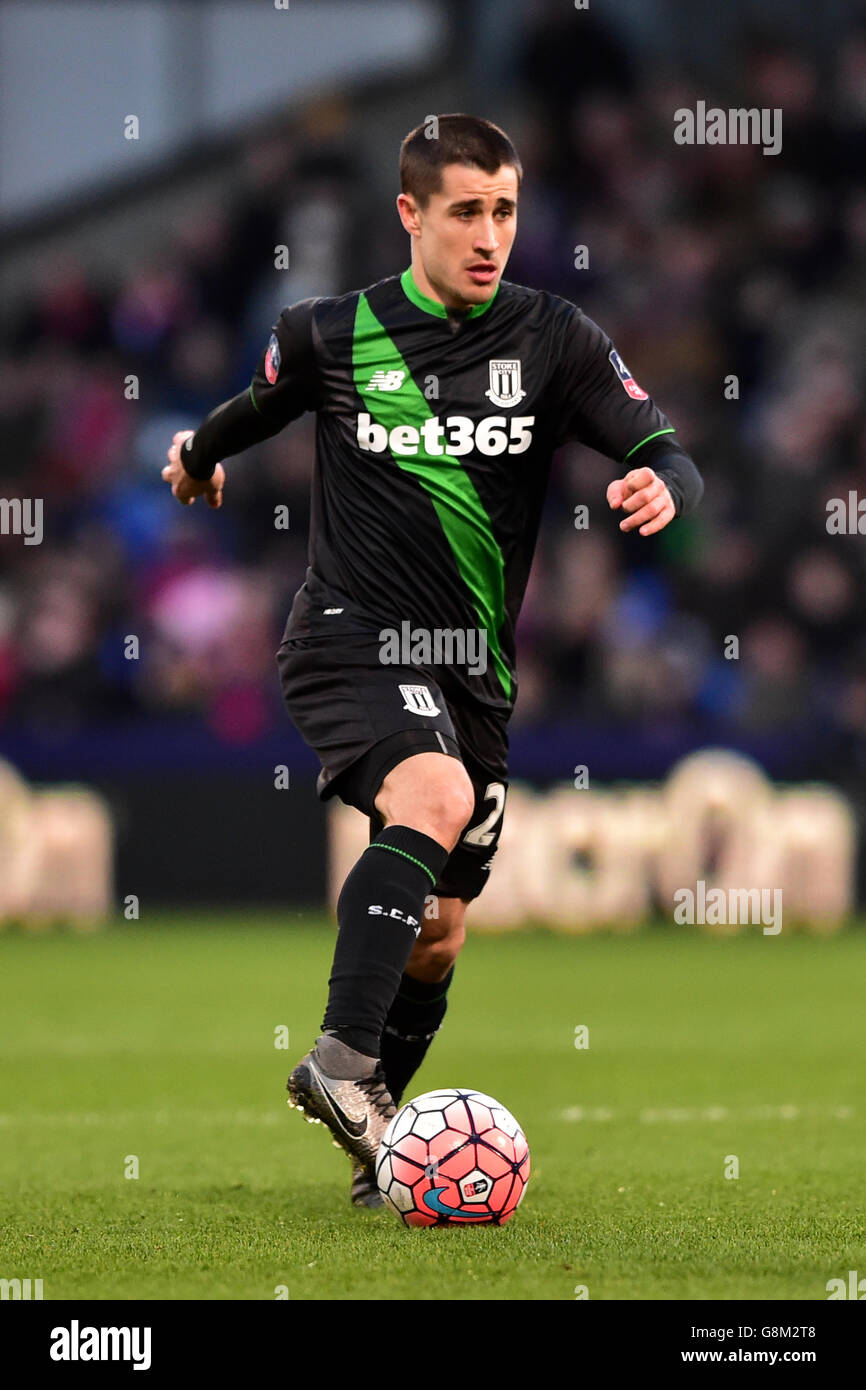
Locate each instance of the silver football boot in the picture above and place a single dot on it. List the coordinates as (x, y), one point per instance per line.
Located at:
(364, 1191)
(336, 1086)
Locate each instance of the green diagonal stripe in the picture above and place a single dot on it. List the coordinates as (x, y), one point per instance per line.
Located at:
(461, 514)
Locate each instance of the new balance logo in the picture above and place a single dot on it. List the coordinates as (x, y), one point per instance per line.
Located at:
(385, 381)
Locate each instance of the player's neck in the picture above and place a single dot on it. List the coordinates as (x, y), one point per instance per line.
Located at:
(419, 289)
(423, 285)
(429, 291)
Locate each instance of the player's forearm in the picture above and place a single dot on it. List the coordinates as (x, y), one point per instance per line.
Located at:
(232, 427)
(684, 482)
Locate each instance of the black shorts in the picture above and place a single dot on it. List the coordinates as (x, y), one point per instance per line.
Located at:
(362, 718)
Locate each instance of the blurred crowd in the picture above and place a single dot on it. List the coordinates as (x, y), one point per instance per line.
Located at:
(732, 284)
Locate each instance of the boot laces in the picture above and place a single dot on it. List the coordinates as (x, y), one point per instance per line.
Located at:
(376, 1090)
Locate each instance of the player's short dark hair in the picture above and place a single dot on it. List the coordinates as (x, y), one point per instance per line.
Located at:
(452, 139)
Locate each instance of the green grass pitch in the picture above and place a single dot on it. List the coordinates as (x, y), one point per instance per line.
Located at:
(157, 1040)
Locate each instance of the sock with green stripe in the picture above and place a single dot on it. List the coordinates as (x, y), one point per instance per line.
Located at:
(379, 914)
(413, 1021)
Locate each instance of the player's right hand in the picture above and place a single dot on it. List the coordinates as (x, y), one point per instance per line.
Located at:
(185, 488)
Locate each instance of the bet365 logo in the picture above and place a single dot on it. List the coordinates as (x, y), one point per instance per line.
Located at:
(455, 435)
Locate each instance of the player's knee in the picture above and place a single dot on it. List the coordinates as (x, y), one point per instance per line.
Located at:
(439, 801)
(448, 810)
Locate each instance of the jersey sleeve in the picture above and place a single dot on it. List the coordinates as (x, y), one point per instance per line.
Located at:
(598, 401)
(285, 383)
(284, 386)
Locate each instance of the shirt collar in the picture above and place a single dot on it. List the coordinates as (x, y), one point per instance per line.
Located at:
(432, 306)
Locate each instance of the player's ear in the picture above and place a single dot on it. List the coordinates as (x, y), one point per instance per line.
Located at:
(408, 212)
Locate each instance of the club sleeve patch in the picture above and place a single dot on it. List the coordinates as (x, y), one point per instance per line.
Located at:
(628, 382)
(272, 359)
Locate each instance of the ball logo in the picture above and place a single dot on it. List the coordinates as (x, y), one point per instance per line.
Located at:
(477, 1188)
(629, 384)
(433, 1201)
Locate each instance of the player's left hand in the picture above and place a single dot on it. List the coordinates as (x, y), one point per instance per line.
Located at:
(645, 497)
(185, 488)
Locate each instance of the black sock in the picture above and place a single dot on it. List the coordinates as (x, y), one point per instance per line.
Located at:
(379, 914)
(413, 1019)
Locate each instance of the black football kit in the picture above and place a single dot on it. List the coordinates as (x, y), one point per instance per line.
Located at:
(435, 430)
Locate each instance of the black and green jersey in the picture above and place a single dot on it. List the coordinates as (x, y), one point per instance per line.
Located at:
(435, 431)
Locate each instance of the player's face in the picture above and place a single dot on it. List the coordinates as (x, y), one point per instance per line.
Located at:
(465, 234)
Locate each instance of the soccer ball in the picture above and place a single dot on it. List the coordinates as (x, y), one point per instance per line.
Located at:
(453, 1158)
